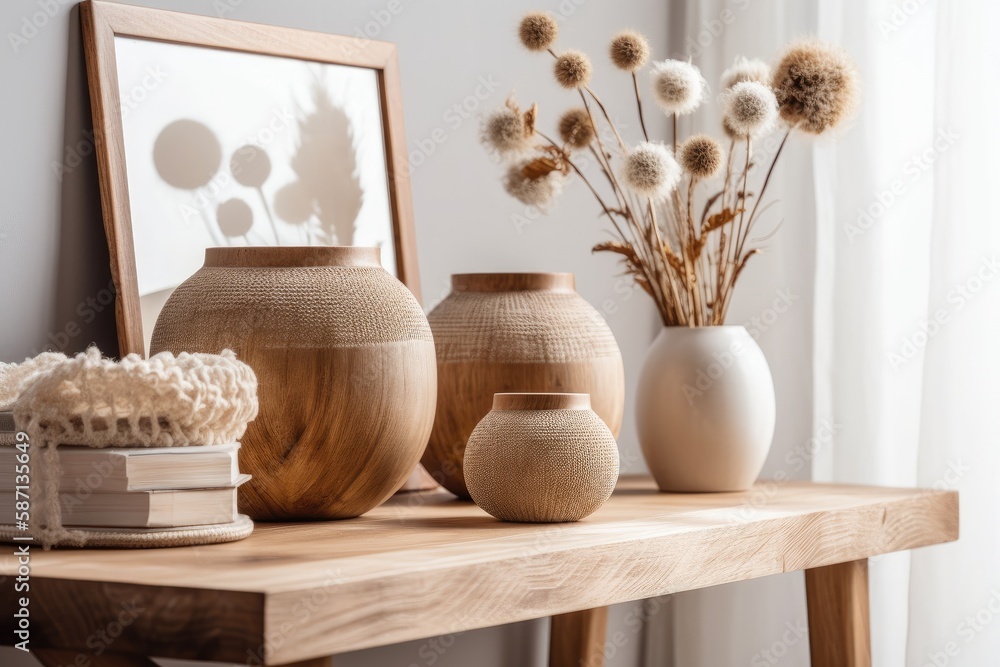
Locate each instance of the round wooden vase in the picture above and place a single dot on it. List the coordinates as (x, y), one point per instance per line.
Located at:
(515, 332)
(541, 458)
(345, 364)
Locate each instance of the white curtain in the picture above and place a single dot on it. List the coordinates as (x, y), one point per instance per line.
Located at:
(908, 312)
(904, 299)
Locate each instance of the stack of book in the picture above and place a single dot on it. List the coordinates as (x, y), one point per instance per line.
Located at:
(140, 488)
(8, 432)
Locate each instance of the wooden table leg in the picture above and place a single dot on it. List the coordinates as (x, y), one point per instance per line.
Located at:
(315, 662)
(63, 658)
(839, 629)
(577, 639)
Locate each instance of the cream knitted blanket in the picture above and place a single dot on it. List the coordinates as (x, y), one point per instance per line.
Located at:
(163, 401)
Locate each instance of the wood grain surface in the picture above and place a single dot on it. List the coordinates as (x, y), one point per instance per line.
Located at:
(426, 564)
(578, 638)
(57, 658)
(345, 366)
(839, 628)
(527, 401)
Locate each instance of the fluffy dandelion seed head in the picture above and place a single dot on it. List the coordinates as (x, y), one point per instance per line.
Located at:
(728, 128)
(746, 70)
(575, 128)
(749, 109)
(538, 31)
(678, 86)
(816, 86)
(573, 69)
(629, 50)
(505, 131)
(537, 191)
(651, 170)
(701, 156)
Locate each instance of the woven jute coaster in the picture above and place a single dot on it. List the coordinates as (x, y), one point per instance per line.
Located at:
(126, 538)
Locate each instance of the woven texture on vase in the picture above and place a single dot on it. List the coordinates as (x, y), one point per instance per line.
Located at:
(515, 332)
(541, 465)
(287, 302)
(87, 400)
(534, 326)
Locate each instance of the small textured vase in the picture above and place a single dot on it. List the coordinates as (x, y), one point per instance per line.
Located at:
(541, 458)
(515, 332)
(345, 364)
(705, 409)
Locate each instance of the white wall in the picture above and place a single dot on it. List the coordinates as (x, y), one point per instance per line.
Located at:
(53, 257)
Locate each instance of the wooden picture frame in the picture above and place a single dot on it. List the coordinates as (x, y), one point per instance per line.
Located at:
(102, 22)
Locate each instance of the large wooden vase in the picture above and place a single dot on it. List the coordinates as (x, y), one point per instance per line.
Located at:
(515, 332)
(345, 364)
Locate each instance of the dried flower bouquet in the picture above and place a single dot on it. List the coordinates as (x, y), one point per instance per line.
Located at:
(686, 257)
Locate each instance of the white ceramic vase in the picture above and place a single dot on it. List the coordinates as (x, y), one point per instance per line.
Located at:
(705, 409)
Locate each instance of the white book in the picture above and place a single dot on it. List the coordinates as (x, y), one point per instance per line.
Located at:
(143, 509)
(85, 470)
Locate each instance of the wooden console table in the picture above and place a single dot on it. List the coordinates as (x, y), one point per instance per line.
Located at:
(426, 565)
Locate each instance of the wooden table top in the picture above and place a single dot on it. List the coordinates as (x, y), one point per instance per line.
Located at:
(425, 564)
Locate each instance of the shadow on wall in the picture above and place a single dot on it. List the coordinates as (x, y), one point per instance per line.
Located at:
(319, 207)
(84, 312)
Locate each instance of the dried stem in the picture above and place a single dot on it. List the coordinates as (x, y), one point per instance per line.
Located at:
(688, 265)
(638, 103)
(767, 179)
